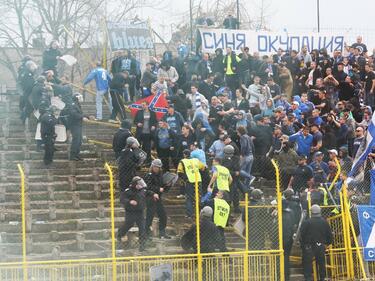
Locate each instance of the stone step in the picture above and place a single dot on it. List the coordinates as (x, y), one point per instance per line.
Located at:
(58, 178)
(33, 155)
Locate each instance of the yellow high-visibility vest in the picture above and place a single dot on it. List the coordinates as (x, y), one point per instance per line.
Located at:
(221, 212)
(222, 180)
(191, 168)
(325, 200)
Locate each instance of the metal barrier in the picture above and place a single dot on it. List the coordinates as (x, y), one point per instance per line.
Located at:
(263, 261)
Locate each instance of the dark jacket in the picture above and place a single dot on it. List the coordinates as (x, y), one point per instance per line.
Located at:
(210, 237)
(217, 63)
(127, 166)
(118, 82)
(75, 115)
(243, 105)
(49, 59)
(154, 183)
(181, 104)
(139, 118)
(118, 65)
(316, 230)
(140, 196)
(119, 140)
(202, 69)
(47, 125)
(37, 94)
(26, 81)
(147, 79)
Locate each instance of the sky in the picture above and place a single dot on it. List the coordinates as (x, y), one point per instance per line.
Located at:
(292, 15)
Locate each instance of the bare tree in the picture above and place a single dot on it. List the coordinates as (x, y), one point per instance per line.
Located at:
(16, 32)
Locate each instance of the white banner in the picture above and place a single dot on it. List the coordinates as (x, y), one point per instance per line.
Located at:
(266, 42)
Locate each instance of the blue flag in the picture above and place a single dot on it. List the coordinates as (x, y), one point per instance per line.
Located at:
(366, 219)
(372, 188)
(359, 162)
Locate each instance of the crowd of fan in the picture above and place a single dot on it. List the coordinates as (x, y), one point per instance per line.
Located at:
(231, 112)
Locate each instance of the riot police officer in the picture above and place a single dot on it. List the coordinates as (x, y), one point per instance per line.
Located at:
(128, 162)
(154, 182)
(47, 131)
(75, 126)
(134, 200)
(316, 234)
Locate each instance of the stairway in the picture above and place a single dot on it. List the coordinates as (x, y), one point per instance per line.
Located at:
(68, 213)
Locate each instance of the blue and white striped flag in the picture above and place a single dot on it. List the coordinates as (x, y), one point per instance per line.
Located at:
(359, 163)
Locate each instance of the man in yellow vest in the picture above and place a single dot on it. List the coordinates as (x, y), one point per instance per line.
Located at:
(220, 180)
(189, 170)
(221, 213)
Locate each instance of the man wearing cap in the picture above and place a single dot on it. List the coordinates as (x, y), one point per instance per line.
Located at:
(319, 167)
(316, 234)
(154, 182)
(134, 200)
(120, 137)
(189, 170)
(301, 175)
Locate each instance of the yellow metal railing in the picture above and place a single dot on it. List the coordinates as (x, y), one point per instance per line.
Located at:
(241, 264)
(23, 211)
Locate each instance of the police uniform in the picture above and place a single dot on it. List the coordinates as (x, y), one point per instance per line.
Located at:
(189, 169)
(47, 130)
(154, 182)
(134, 214)
(315, 235)
(75, 126)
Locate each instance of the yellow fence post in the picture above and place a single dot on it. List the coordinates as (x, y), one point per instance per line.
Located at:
(246, 254)
(279, 218)
(23, 212)
(336, 176)
(197, 222)
(112, 197)
(345, 232)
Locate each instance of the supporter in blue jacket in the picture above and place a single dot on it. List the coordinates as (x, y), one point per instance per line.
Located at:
(102, 80)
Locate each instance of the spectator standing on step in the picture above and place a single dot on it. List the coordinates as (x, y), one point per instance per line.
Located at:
(51, 57)
(102, 80)
(117, 88)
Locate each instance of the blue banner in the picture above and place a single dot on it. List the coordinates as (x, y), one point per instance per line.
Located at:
(366, 219)
(372, 188)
